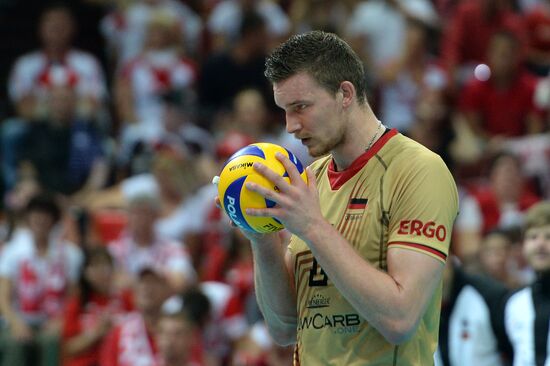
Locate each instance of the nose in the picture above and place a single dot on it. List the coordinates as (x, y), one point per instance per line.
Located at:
(292, 123)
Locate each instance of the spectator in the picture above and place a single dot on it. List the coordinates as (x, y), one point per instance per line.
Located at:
(538, 47)
(225, 19)
(180, 128)
(326, 15)
(36, 275)
(143, 80)
(226, 73)
(502, 104)
(498, 203)
(63, 152)
(496, 259)
(141, 247)
(180, 335)
(57, 63)
(431, 126)
(470, 332)
(376, 28)
(470, 31)
(527, 311)
(125, 28)
(257, 348)
(177, 181)
(132, 342)
(406, 78)
(93, 311)
(497, 105)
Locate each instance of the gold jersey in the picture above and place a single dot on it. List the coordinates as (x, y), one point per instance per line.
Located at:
(398, 194)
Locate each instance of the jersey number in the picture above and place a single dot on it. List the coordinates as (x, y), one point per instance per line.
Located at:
(317, 277)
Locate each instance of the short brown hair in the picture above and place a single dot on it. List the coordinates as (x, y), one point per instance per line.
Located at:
(537, 216)
(324, 56)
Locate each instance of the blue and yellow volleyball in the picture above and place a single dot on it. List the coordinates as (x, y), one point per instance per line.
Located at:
(235, 198)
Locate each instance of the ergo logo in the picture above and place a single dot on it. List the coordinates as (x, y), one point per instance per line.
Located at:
(417, 227)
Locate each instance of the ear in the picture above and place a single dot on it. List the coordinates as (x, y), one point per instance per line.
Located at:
(348, 93)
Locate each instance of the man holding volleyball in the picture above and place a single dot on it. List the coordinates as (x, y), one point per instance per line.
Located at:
(359, 283)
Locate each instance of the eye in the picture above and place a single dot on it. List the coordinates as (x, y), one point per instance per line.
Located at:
(300, 107)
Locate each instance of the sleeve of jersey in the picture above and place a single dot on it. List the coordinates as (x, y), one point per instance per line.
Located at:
(422, 207)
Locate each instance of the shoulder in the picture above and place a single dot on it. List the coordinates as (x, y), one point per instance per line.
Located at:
(492, 291)
(82, 60)
(72, 250)
(320, 164)
(519, 297)
(403, 155)
(28, 60)
(16, 249)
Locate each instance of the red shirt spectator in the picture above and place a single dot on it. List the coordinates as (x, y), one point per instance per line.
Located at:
(538, 32)
(469, 32)
(80, 318)
(491, 209)
(503, 111)
(130, 344)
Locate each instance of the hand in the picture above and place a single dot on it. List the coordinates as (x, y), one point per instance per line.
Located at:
(253, 236)
(103, 326)
(21, 331)
(297, 205)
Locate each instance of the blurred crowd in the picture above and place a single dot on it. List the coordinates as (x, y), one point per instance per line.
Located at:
(112, 251)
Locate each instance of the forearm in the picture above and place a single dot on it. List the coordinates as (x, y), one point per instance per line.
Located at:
(6, 308)
(81, 342)
(275, 292)
(377, 297)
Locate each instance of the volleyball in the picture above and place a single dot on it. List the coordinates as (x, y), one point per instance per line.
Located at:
(235, 198)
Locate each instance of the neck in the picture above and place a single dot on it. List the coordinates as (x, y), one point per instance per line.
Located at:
(41, 245)
(176, 361)
(144, 239)
(150, 319)
(363, 127)
(55, 53)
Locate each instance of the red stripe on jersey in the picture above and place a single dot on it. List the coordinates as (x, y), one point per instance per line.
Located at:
(337, 179)
(422, 247)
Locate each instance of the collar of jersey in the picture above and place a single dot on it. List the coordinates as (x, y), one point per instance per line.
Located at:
(338, 178)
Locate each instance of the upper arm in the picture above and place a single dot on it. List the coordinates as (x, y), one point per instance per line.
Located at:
(5, 292)
(417, 275)
(423, 206)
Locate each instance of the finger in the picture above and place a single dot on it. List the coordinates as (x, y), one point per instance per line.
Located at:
(264, 212)
(263, 191)
(270, 175)
(218, 203)
(290, 168)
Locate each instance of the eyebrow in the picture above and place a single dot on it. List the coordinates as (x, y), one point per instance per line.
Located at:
(292, 104)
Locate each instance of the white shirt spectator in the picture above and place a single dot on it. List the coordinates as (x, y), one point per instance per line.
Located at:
(226, 17)
(126, 30)
(40, 283)
(167, 256)
(190, 217)
(151, 75)
(399, 99)
(383, 27)
(33, 74)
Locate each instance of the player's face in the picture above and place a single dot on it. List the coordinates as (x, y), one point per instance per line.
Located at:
(536, 248)
(313, 115)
